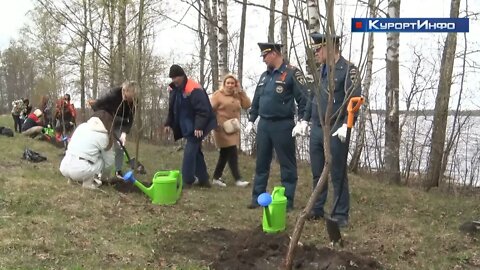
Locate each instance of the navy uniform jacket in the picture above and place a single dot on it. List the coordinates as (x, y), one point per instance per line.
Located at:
(345, 75)
(122, 110)
(276, 92)
(189, 110)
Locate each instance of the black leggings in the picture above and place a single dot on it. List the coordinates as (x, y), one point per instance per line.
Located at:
(230, 155)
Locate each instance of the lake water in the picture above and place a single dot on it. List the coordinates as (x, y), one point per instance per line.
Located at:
(463, 163)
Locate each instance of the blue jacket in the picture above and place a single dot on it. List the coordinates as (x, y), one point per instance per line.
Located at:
(345, 76)
(189, 109)
(276, 93)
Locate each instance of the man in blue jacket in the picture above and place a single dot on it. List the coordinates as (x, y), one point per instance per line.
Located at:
(190, 116)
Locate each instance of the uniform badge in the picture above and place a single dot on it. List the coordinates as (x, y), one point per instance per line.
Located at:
(300, 78)
(279, 89)
(353, 74)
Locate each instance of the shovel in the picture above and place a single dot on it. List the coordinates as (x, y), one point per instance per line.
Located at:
(131, 161)
(331, 223)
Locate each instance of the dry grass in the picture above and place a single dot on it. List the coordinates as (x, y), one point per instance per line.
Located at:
(46, 223)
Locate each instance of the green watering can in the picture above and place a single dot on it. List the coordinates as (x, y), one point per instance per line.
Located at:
(165, 189)
(274, 210)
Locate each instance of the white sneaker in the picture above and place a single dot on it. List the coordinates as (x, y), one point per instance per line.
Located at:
(219, 182)
(97, 179)
(241, 183)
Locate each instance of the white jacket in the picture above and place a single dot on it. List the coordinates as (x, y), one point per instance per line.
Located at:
(86, 154)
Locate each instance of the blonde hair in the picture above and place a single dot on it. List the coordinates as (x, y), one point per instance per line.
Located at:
(230, 76)
(129, 86)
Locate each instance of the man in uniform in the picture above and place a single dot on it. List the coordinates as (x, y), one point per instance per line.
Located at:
(274, 101)
(347, 85)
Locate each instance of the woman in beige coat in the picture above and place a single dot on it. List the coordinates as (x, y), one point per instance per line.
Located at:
(227, 102)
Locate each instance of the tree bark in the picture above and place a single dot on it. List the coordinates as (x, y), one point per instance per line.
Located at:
(121, 42)
(111, 23)
(203, 49)
(441, 105)
(392, 132)
(138, 109)
(360, 140)
(271, 24)
(241, 45)
(297, 230)
(223, 39)
(284, 30)
(211, 14)
(82, 58)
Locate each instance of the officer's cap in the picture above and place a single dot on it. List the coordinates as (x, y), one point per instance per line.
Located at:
(268, 47)
(320, 40)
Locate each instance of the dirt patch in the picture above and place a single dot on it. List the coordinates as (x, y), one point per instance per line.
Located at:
(226, 250)
(124, 187)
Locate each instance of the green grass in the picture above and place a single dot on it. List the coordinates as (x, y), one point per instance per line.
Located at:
(45, 223)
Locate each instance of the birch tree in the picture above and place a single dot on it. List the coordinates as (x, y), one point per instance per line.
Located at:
(441, 105)
(392, 132)
(211, 16)
(364, 110)
(222, 39)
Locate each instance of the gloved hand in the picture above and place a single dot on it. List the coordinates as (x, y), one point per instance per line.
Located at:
(123, 138)
(300, 129)
(249, 128)
(341, 133)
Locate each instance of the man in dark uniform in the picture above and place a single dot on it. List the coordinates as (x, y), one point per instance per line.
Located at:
(274, 101)
(347, 85)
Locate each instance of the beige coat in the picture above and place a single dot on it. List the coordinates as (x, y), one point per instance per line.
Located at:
(227, 107)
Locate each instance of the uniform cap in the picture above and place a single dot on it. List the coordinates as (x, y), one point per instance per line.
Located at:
(320, 40)
(266, 48)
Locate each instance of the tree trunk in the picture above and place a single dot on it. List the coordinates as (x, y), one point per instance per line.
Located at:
(223, 39)
(313, 16)
(392, 133)
(360, 140)
(111, 24)
(326, 127)
(241, 44)
(121, 42)
(284, 29)
(82, 58)
(203, 49)
(138, 109)
(271, 24)
(211, 14)
(441, 105)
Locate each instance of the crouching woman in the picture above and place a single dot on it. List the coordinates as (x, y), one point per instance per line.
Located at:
(90, 151)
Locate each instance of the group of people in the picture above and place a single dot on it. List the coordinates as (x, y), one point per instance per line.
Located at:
(33, 123)
(281, 93)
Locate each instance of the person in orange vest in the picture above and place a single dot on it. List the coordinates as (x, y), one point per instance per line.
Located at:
(190, 116)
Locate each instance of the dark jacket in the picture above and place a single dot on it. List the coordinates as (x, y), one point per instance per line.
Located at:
(122, 111)
(345, 77)
(189, 109)
(276, 94)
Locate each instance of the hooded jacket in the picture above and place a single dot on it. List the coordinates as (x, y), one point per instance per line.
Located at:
(89, 142)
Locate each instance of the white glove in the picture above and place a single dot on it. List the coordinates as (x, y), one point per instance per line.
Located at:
(341, 133)
(123, 138)
(300, 129)
(249, 128)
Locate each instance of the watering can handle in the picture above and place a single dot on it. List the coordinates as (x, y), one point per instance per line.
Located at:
(353, 106)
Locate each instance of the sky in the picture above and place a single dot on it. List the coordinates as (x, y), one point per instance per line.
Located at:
(176, 43)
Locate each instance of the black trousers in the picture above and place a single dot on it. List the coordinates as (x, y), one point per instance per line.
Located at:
(17, 123)
(230, 155)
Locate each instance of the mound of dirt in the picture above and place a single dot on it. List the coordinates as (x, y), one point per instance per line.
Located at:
(254, 250)
(124, 187)
(257, 250)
